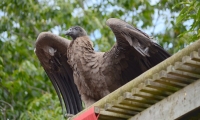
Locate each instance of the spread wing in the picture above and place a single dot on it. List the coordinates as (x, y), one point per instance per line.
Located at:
(134, 51)
(51, 50)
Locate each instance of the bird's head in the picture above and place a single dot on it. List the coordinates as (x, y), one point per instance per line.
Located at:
(75, 32)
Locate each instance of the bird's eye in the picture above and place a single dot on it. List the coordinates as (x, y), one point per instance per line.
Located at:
(76, 28)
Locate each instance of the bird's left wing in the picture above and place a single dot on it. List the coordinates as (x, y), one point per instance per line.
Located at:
(133, 53)
(51, 50)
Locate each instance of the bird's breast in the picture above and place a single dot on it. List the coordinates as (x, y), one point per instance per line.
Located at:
(86, 65)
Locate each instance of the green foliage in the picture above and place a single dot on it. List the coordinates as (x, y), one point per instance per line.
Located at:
(25, 90)
(184, 24)
(190, 12)
(44, 107)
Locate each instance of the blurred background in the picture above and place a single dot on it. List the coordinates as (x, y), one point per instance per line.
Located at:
(26, 91)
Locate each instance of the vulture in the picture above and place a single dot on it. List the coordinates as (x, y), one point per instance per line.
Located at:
(78, 73)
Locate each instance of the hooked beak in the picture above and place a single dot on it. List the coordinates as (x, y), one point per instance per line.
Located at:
(68, 32)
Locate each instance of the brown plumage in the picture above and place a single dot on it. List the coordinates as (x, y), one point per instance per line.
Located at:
(95, 74)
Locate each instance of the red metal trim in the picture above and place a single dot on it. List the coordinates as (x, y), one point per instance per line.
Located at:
(88, 115)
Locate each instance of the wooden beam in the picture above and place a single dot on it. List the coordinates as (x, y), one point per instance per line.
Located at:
(173, 106)
(113, 115)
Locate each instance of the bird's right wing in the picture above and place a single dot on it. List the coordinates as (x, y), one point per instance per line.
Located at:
(51, 50)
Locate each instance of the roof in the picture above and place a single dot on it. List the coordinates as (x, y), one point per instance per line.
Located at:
(156, 84)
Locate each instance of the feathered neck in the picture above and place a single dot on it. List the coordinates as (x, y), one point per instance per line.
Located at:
(80, 51)
(83, 42)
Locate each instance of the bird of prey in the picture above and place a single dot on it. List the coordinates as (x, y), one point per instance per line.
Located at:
(78, 73)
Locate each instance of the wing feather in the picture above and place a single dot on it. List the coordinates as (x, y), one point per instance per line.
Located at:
(51, 51)
(141, 53)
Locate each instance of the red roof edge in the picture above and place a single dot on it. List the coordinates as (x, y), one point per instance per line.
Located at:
(90, 114)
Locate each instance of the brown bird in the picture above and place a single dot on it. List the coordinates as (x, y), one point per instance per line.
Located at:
(79, 73)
